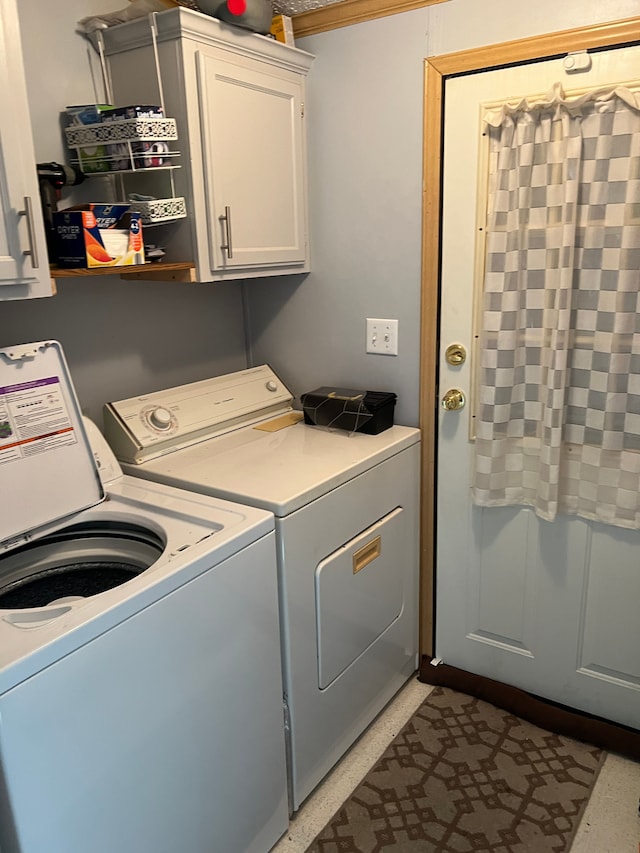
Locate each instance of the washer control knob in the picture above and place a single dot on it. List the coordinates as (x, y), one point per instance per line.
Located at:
(272, 386)
(160, 418)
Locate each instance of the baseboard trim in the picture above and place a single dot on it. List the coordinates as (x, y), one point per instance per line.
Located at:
(563, 721)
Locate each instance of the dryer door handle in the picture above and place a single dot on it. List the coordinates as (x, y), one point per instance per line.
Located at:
(367, 554)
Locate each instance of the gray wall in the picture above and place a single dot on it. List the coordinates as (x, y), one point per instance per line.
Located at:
(126, 338)
(365, 155)
(365, 150)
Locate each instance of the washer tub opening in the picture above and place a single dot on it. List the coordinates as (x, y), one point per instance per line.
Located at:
(76, 562)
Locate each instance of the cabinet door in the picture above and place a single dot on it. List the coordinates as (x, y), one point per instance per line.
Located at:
(253, 153)
(24, 265)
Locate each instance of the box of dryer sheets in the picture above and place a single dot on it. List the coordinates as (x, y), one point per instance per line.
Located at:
(370, 412)
(133, 111)
(282, 29)
(98, 235)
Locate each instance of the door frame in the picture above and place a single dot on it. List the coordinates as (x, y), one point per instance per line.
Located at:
(436, 71)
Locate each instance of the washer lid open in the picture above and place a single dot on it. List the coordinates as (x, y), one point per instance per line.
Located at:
(48, 469)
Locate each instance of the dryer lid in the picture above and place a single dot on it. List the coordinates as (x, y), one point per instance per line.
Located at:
(48, 468)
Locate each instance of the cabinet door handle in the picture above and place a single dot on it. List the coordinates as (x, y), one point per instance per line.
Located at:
(33, 249)
(226, 218)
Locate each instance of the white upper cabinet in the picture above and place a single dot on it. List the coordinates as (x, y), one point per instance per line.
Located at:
(254, 175)
(24, 263)
(238, 99)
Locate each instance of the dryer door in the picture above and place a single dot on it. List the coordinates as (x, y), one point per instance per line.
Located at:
(359, 593)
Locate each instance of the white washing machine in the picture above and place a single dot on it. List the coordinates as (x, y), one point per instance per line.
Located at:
(346, 508)
(140, 672)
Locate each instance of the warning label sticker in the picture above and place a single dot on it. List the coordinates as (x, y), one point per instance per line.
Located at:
(33, 419)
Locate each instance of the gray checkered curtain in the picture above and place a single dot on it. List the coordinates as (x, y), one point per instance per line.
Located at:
(558, 391)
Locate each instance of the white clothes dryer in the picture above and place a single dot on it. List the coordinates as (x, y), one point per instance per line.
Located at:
(140, 673)
(347, 529)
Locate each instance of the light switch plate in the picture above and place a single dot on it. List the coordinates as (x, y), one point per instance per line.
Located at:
(382, 336)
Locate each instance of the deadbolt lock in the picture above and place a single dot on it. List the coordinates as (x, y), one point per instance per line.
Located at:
(453, 399)
(455, 354)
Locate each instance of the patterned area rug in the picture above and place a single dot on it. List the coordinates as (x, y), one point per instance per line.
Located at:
(466, 777)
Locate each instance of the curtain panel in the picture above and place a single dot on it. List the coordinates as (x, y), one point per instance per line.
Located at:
(558, 392)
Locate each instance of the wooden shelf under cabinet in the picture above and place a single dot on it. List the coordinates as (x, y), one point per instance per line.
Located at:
(184, 272)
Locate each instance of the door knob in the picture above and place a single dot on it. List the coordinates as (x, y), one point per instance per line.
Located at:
(455, 354)
(453, 399)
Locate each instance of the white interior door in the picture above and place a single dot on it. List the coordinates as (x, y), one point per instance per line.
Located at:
(551, 608)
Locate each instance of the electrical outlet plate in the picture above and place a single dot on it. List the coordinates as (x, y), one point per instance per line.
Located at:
(382, 336)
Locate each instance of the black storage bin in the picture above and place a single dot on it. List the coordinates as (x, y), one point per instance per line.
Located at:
(348, 409)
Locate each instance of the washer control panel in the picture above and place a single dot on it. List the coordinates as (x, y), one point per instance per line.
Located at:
(150, 425)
